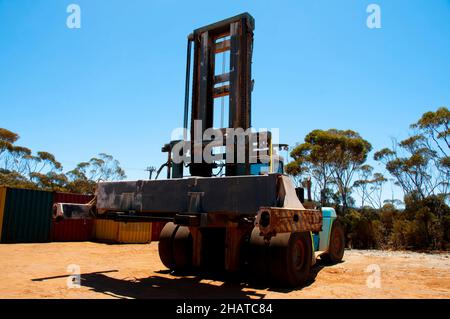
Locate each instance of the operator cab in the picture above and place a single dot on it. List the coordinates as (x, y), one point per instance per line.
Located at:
(275, 164)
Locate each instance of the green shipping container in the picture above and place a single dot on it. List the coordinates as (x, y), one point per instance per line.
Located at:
(27, 216)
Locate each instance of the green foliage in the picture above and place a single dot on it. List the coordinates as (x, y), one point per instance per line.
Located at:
(14, 179)
(436, 125)
(359, 229)
(423, 224)
(332, 158)
(20, 168)
(51, 181)
(429, 216)
(7, 137)
(420, 164)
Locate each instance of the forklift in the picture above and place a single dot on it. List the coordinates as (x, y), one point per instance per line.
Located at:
(226, 215)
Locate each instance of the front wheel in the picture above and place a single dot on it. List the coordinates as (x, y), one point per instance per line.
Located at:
(336, 246)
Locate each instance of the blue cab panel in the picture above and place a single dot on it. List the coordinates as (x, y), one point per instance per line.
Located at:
(329, 216)
(316, 241)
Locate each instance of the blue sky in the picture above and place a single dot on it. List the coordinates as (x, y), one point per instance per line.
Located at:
(117, 84)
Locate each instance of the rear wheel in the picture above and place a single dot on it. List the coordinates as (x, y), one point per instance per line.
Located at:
(175, 247)
(182, 248)
(336, 247)
(290, 256)
(165, 245)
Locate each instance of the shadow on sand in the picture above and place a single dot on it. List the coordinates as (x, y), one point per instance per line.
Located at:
(193, 285)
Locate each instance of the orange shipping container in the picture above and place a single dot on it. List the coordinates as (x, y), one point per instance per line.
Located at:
(135, 233)
(106, 230)
(126, 233)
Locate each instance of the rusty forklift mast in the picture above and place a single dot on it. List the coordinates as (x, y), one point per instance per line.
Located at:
(234, 35)
(244, 221)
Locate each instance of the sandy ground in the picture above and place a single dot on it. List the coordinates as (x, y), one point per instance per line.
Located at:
(135, 271)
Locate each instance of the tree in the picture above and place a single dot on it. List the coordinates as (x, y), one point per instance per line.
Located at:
(435, 126)
(370, 187)
(425, 222)
(349, 152)
(359, 229)
(331, 157)
(421, 163)
(363, 185)
(102, 168)
(383, 227)
(7, 139)
(394, 202)
(16, 159)
(20, 168)
(43, 162)
(14, 179)
(51, 181)
(12, 160)
(311, 158)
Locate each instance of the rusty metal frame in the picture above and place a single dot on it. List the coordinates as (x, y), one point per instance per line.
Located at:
(274, 220)
(240, 30)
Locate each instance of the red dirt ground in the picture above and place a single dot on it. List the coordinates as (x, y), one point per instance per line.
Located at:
(135, 271)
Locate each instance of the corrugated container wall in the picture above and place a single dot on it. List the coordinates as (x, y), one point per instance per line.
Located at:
(27, 216)
(106, 230)
(125, 233)
(2, 207)
(72, 229)
(135, 233)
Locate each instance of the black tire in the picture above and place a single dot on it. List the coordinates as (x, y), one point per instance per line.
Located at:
(257, 254)
(165, 245)
(182, 248)
(336, 247)
(290, 256)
